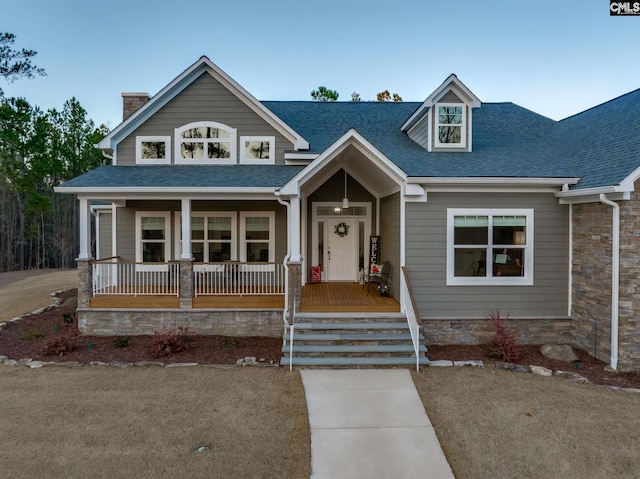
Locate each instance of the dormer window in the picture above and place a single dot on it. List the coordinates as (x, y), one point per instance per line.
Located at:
(205, 143)
(450, 125)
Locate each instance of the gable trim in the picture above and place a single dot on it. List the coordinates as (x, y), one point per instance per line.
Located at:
(350, 138)
(181, 82)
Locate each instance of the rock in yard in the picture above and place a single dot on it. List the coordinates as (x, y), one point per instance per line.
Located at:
(441, 363)
(561, 352)
(572, 376)
(541, 371)
(516, 368)
(473, 363)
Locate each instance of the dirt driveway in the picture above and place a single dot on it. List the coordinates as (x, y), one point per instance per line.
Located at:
(22, 292)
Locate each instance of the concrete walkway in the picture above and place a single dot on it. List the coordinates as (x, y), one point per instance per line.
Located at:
(370, 424)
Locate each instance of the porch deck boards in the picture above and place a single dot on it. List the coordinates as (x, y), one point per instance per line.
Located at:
(134, 302)
(247, 301)
(335, 297)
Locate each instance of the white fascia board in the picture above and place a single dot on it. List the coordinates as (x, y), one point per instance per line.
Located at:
(351, 137)
(437, 93)
(299, 155)
(88, 191)
(628, 184)
(471, 181)
(178, 85)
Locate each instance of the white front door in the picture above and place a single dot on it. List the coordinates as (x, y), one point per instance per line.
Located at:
(342, 251)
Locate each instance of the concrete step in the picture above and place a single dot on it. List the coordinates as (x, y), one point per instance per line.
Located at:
(353, 350)
(334, 338)
(374, 326)
(350, 362)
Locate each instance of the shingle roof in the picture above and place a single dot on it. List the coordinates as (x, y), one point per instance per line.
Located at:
(185, 176)
(602, 143)
(507, 139)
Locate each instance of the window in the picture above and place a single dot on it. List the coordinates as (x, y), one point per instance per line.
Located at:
(204, 143)
(490, 247)
(450, 125)
(257, 236)
(153, 238)
(257, 150)
(153, 150)
(212, 236)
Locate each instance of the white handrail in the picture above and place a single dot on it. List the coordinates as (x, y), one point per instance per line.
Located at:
(410, 313)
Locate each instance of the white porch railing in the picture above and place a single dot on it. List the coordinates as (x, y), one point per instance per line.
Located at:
(135, 279)
(238, 278)
(410, 311)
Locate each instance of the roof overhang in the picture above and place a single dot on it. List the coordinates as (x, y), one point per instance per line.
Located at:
(490, 184)
(183, 81)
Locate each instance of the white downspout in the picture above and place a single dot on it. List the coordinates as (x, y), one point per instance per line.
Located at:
(285, 261)
(615, 278)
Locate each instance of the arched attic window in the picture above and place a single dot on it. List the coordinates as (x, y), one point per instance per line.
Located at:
(205, 143)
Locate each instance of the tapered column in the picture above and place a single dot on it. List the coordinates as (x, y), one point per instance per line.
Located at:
(85, 229)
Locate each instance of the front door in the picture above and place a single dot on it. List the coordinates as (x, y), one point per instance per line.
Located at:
(342, 249)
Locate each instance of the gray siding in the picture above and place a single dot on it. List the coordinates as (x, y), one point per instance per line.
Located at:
(426, 245)
(390, 238)
(105, 238)
(125, 218)
(204, 100)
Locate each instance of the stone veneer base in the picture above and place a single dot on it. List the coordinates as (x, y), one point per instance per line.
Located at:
(478, 331)
(136, 322)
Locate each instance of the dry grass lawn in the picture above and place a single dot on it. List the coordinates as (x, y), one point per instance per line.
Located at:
(497, 424)
(149, 423)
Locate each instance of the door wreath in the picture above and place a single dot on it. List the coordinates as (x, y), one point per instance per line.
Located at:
(342, 229)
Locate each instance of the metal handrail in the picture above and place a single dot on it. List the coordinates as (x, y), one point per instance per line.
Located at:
(410, 312)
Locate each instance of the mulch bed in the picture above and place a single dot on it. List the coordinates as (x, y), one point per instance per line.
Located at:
(29, 337)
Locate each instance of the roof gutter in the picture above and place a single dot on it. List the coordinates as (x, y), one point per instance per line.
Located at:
(491, 180)
(615, 278)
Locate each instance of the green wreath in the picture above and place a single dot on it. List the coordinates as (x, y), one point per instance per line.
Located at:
(342, 229)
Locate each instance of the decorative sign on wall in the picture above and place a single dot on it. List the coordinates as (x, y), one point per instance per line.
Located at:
(374, 248)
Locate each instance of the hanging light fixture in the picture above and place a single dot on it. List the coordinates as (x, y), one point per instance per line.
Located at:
(345, 200)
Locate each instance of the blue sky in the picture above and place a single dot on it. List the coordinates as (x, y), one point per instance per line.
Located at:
(554, 57)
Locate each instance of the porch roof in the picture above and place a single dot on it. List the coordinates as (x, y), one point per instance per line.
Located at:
(184, 176)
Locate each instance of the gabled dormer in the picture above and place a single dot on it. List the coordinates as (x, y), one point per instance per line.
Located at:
(443, 121)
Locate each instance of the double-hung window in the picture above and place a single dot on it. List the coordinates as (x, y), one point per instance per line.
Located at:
(153, 239)
(257, 236)
(450, 125)
(490, 246)
(213, 238)
(205, 143)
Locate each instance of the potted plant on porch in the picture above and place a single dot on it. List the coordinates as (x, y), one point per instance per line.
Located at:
(383, 289)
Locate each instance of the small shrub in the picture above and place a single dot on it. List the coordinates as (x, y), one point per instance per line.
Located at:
(505, 341)
(121, 341)
(29, 335)
(69, 318)
(171, 342)
(61, 345)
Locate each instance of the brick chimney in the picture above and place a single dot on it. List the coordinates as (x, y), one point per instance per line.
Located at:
(131, 102)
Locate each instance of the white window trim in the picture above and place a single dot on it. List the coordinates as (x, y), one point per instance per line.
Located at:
(463, 130)
(153, 161)
(525, 280)
(167, 240)
(272, 233)
(178, 140)
(205, 214)
(251, 161)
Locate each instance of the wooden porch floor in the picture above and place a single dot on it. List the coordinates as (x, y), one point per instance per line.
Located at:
(319, 297)
(330, 297)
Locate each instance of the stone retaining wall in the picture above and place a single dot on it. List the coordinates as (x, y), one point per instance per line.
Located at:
(478, 331)
(132, 322)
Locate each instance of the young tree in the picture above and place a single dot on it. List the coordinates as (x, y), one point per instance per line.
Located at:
(386, 96)
(355, 97)
(324, 94)
(15, 63)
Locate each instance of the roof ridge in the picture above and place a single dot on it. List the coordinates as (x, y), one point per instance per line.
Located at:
(600, 104)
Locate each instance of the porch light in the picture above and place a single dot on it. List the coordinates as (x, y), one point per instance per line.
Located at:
(345, 200)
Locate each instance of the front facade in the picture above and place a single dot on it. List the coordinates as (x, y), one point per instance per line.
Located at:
(218, 209)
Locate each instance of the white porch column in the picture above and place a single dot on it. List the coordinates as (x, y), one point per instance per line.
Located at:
(85, 229)
(294, 227)
(186, 229)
